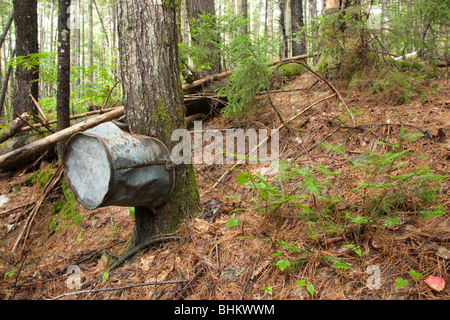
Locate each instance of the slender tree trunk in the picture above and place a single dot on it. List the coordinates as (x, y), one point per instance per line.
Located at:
(63, 82)
(197, 8)
(90, 39)
(5, 85)
(243, 9)
(283, 34)
(6, 28)
(270, 24)
(313, 16)
(298, 44)
(26, 23)
(153, 100)
(270, 19)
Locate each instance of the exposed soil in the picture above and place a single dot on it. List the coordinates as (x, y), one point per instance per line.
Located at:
(238, 262)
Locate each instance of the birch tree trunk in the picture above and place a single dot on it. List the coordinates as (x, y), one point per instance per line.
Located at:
(153, 100)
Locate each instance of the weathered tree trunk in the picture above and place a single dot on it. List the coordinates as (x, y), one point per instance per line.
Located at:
(153, 100)
(63, 81)
(26, 23)
(298, 45)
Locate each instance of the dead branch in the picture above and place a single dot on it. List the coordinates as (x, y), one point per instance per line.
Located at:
(24, 120)
(27, 227)
(327, 83)
(14, 127)
(77, 116)
(424, 132)
(38, 107)
(135, 285)
(203, 81)
(109, 94)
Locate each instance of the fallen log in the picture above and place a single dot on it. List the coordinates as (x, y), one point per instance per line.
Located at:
(13, 128)
(219, 76)
(37, 146)
(77, 116)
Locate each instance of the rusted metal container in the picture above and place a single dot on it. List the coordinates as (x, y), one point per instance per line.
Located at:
(107, 166)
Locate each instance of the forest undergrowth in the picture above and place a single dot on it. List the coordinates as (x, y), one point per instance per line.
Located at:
(350, 212)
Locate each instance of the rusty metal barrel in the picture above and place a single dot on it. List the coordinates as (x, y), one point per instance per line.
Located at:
(106, 166)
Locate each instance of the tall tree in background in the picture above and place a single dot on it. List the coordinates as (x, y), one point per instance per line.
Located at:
(153, 100)
(90, 32)
(63, 84)
(243, 9)
(198, 8)
(298, 44)
(26, 28)
(284, 48)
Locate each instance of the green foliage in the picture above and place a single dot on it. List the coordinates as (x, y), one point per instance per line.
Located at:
(384, 187)
(65, 211)
(96, 92)
(356, 249)
(400, 282)
(309, 286)
(268, 290)
(233, 222)
(350, 49)
(414, 274)
(421, 27)
(41, 177)
(249, 53)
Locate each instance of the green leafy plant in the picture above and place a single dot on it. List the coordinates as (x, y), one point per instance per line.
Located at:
(356, 249)
(105, 276)
(414, 274)
(268, 290)
(309, 286)
(232, 222)
(282, 264)
(400, 282)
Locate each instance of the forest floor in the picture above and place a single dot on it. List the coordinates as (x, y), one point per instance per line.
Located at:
(248, 251)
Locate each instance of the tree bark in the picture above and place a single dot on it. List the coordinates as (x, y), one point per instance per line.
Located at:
(243, 10)
(153, 99)
(283, 33)
(26, 28)
(197, 8)
(298, 44)
(63, 80)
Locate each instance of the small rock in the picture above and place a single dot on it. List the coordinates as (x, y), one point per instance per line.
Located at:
(443, 253)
